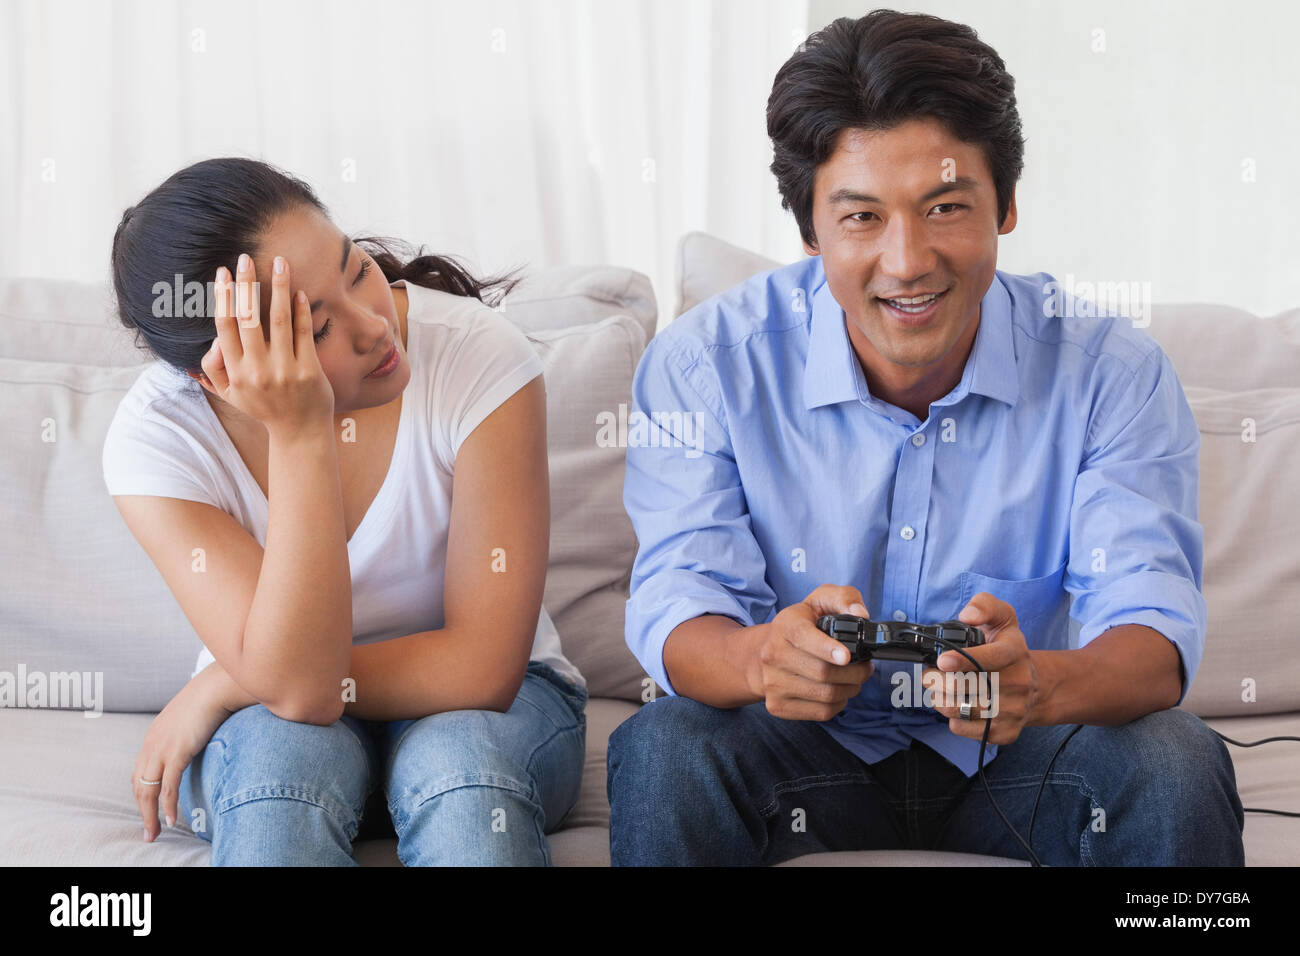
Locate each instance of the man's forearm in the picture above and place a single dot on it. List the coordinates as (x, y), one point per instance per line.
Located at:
(1124, 673)
(712, 659)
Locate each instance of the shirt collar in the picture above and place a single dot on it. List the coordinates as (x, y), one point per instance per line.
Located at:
(832, 373)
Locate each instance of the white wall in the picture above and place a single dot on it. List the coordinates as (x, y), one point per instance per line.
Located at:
(1134, 156)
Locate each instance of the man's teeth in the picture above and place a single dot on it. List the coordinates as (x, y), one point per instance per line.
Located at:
(914, 304)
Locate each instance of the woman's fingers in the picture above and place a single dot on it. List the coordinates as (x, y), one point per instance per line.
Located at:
(281, 313)
(171, 786)
(146, 795)
(248, 307)
(229, 348)
(304, 343)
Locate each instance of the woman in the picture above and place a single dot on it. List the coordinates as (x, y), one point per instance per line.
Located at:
(366, 631)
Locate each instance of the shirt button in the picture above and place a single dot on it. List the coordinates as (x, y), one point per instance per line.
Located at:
(900, 616)
(918, 439)
(907, 534)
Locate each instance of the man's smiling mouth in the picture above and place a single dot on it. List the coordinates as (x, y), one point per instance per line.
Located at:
(914, 305)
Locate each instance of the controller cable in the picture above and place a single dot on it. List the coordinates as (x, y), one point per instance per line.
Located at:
(1027, 845)
(1256, 743)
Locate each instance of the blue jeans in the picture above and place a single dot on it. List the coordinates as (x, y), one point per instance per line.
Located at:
(691, 784)
(464, 787)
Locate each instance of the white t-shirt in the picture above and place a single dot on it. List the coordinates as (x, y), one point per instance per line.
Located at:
(466, 360)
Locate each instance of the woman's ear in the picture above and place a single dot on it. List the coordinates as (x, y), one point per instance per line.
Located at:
(202, 379)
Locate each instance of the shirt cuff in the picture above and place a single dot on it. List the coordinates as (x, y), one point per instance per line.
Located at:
(1167, 603)
(663, 602)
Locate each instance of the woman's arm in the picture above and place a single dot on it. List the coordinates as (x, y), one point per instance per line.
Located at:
(500, 519)
(501, 499)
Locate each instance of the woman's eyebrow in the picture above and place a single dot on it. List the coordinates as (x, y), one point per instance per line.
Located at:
(343, 264)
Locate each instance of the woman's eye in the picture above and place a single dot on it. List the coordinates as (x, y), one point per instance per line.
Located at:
(365, 271)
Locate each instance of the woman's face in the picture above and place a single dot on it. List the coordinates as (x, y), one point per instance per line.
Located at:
(354, 317)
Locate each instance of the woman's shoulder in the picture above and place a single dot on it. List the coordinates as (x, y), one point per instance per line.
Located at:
(446, 331)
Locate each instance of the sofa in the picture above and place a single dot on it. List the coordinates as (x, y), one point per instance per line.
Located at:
(82, 598)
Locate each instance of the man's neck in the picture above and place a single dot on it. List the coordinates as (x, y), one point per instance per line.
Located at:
(911, 389)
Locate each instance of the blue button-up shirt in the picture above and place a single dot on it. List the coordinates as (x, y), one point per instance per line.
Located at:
(1060, 475)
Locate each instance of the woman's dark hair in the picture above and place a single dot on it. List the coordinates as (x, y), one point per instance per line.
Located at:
(877, 72)
(203, 217)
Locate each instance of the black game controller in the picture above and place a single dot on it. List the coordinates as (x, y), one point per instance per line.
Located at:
(898, 640)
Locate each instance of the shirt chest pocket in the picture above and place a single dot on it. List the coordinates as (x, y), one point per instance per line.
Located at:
(1041, 604)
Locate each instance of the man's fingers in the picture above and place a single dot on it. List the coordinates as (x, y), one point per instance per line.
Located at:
(819, 691)
(988, 613)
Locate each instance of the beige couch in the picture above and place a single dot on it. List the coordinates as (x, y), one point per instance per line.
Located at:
(80, 595)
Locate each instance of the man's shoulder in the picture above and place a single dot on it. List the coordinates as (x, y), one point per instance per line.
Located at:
(1085, 324)
(769, 303)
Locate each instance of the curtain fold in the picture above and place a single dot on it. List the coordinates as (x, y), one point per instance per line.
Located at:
(509, 133)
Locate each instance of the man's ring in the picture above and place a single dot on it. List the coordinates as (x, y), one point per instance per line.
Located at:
(965, 709)
(149, 783)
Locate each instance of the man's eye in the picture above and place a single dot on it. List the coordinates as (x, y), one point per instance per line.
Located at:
(951, 205)
(855, 216)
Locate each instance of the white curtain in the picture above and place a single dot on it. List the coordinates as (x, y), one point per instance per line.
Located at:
(510, 133)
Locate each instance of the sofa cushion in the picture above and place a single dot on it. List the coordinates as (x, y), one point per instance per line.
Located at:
(80, 593)
(588, 371)
(66, 800)
(707, 265)
(1251, 575)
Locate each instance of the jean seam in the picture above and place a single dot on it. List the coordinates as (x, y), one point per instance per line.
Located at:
(286, 792)
(798, 784)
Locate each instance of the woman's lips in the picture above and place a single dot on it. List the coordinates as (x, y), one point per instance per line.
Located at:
(387, 365)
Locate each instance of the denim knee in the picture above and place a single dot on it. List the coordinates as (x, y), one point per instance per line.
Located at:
(453, 750)
(268, 757)
(669, 738)
(1174, 767)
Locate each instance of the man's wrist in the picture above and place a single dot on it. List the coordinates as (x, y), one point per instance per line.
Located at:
(747, 645)
(1055, 670)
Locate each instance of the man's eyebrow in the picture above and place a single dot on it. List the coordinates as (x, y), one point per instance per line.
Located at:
(844, 194)
(343, 264)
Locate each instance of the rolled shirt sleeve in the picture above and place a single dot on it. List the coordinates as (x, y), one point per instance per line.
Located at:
(1137, 545)
(696, 551)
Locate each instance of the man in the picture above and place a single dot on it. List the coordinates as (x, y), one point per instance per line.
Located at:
(934, 438)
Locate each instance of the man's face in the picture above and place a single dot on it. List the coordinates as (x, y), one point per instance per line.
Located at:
(901, 213)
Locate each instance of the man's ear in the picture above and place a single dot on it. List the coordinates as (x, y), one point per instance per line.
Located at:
(811, 248)
(1010, 222)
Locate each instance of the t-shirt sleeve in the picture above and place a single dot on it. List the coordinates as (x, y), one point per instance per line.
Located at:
(145, 455)
(488, 361)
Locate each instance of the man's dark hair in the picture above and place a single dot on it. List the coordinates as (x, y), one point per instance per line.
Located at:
(877, 72)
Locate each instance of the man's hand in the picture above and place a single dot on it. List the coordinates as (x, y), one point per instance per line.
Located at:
(1007, 654)
(803, 673)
